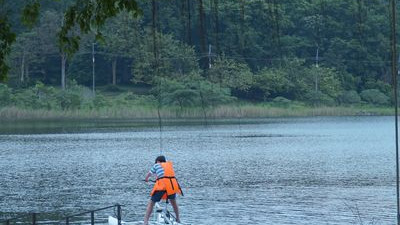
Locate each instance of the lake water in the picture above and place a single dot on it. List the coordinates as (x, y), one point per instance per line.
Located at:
(323, 170)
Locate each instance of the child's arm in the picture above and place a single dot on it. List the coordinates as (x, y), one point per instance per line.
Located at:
(148, 176)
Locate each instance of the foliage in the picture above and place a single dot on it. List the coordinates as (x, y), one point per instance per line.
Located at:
(134, 99)
(349, 97)
(175, 60)
(80, 69)
(112, 88)
(7, 37)
(383, 87)
(282, 101)
(174, 92)
(190, 92)
(37, 97)
(325, 80)
(299, 81)
(317, 98)
(5, 95)
(30, 13)
(230, 74)
(90, 16)
(212, 94)
(271, 82)
(258, 50)
(69, 100)
(374, 96)
(122, 39)
(100, 101)
(35, 52)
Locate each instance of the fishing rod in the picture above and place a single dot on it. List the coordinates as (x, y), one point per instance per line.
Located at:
(159, 115)
(395, 73)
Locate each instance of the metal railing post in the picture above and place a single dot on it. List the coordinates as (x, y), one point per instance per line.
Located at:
(119, 214)
(92, 217)
(33, 218)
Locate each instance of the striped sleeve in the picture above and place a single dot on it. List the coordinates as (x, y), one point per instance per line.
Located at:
(157, 169)
(153, 169)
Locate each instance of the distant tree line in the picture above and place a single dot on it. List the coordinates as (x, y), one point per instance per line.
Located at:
(317, 51)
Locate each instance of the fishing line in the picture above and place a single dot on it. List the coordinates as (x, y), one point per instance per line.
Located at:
(156, 43)
(159, 114)
(395, 92)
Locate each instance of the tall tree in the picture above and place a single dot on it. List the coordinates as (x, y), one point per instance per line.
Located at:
(215, 11)
(23, 54)
(121, 41)
(202, 34)
(7, 37)
(88, 15)
(189, 22)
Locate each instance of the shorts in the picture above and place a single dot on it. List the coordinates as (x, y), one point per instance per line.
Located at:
(156, 197)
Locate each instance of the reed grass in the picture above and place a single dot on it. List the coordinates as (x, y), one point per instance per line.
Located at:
(219, 112)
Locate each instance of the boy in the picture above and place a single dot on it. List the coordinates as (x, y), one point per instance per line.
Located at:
(166, 186)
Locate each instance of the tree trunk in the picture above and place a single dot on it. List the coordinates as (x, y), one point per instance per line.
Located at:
(23, 68)
(202, 34)
(241, 37)
(216, 25)
(154, 33)
(277, 27)
(189, 23)
(27, 71)
(63, 78)
(182, 18)
(202, 31)
(114, 71)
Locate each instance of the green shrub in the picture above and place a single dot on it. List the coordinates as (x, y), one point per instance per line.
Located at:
(281, 101)
(374, 96)
(47, 96)
(318, 98)
(129, 96)
(213, 94)
(37, 97)
(112, 88)
(5, 95)
(134, 99)
(100, 101)
(69, 100)
(349, 97)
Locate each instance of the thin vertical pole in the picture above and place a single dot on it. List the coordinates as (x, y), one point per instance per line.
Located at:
(119, 214)
(155, 54)
(92, 217)
(209, 56)
(395, 92)
(93, 78)
(316, 65)
(33, 218)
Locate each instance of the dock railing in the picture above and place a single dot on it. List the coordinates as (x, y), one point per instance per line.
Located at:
(32, 218)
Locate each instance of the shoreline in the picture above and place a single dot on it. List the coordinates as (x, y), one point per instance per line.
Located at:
(150, 115)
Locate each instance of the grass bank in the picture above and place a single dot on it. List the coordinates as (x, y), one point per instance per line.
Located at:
(230, 111)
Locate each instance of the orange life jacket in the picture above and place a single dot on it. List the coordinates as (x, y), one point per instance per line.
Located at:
(167, 183)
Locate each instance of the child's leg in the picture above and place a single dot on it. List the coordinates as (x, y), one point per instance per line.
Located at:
(149, 209)
(176, 209)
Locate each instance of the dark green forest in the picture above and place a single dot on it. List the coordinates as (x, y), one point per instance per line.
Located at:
(189, 53)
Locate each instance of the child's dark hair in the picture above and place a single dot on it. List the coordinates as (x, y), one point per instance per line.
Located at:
(160, 158)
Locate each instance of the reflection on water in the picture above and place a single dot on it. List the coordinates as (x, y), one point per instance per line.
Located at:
(276, 171)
